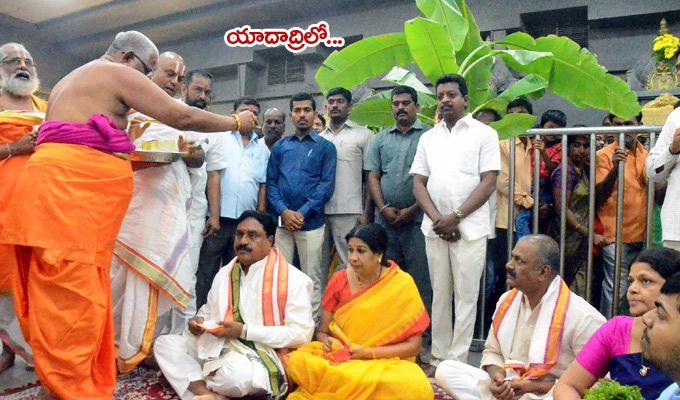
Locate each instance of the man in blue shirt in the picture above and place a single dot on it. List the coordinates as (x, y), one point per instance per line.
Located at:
(241, 187)
(660, 340)
(300, 180)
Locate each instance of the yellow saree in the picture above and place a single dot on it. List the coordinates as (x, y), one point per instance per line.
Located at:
(388, 312)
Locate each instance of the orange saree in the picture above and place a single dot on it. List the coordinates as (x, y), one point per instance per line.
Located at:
(388, 312)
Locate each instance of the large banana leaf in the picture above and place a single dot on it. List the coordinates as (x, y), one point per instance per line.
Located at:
(449, 14)
(363, 60)
(430, 47)
(401, 76)
(530, 85)
(513, 125)
(375, 111)
(478, 78)
(528, 62)
(577, 76)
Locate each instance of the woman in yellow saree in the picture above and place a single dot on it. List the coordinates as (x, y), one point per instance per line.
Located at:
(370, 331)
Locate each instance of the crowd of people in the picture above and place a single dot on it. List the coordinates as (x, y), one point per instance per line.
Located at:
(191, 266)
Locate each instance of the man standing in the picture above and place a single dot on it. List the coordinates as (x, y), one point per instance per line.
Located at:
(391, 187)
(258, 306)
(205, 178)
(274, 126)
(82, 184)
(634, 207)
(20, 113)
(350, 204)
(242, 188)
(660, 340)
(300, 180)
(455, 171)
(538, 329)
(662, 165)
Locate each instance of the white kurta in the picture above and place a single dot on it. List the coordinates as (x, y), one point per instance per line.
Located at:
(467, 383)
(183, 358)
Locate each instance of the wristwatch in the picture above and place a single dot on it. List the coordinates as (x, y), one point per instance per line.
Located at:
(459, 214)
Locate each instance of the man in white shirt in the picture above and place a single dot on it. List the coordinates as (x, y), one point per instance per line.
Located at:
(350, 204)
(455, 170)
(538, 329)
(661, 165)
(258, 306)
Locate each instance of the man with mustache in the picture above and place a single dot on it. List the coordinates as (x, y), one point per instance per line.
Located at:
(538, 329)
(660, 340)
(258, 307)
(351, 203)
(454, 173)
(68, 205)
(20, 113)
(391, 188)
(300, 180)
(152, 242)
(274, 126)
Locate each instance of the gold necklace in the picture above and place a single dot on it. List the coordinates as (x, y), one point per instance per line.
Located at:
(362, 284)
(644, 370)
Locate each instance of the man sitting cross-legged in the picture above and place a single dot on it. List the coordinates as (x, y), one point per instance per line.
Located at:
(258, 306)
(538, 329)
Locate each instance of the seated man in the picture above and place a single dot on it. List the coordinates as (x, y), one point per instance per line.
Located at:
(538, 329)
(258, 306)
(660, 340)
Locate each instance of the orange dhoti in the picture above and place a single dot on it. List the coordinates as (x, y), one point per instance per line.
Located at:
(63, 218)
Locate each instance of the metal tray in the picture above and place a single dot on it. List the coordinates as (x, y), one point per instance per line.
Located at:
(156, 156)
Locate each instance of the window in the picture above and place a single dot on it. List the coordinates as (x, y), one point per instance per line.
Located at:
(285, 69)
(569, 22)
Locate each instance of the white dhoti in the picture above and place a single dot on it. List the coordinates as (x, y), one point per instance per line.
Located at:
(151, 274)
(463, 381)
(10, 332)
(237, 376)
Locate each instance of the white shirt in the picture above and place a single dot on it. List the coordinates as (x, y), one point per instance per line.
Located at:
(660, 157)
(453, 162)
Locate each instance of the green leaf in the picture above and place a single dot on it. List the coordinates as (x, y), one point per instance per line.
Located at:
(577, 76)
(449, 14)
(478, 78)
(363, 60)
(529, 62)
(374, 111)
(400, 76)
(529, 85)
(431, 48)
(513, 125)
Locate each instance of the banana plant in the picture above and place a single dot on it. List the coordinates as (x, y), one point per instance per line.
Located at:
(446, 39)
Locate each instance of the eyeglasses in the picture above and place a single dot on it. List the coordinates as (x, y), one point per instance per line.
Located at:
(15, 62)
(147, 70)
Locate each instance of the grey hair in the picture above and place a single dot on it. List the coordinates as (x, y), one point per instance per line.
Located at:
(133, 41)
(274, 110)
(10, 44)
(547, 251)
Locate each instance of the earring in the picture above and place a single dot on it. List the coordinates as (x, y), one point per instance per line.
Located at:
(380, 259)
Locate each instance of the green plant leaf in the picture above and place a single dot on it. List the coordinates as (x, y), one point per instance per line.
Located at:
(526, 61)
(529, 85)
(400, 76)
(513, 125)
(449, 14)
(577, 76)
(478, 78)
(430, 47)
(363, 60)
(374, 111)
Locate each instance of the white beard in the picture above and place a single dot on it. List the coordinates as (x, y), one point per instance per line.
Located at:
(20, 87)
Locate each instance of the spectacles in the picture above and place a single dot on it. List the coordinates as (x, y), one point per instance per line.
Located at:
(147, 70)
(15, 62)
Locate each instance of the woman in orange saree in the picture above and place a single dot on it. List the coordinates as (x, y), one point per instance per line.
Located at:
(370, 331)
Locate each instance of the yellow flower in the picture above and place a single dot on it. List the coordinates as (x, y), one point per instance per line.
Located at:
(666, 45)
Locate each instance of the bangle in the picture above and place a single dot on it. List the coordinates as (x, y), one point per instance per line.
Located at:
(238, 121)
(383, 207)
(9, 151)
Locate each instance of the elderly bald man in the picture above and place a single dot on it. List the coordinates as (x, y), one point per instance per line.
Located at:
(67, 208)
(20, 112)
(274, 126)
(152, 244)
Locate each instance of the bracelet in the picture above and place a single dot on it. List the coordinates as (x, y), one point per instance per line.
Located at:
(9, 151)
(383, 207)
(238, 121)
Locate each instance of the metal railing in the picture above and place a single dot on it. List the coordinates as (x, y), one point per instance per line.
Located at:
(591, 132)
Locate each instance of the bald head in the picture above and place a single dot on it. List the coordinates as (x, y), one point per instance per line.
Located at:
(18, 74)
(547, 251)
(274, 125)
(273, 111)
(135, 49)
(169, 72)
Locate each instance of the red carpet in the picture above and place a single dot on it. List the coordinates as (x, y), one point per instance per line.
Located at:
(143, 383)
